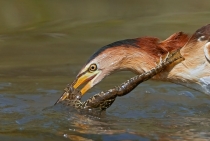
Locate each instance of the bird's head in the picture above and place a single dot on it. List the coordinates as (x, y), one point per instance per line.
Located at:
(107, 60)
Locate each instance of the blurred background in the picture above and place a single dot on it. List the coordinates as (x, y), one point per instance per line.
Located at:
(64, 15)
(39, 28)
(43, 45)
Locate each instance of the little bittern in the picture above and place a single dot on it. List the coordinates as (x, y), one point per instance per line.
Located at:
(141, 54)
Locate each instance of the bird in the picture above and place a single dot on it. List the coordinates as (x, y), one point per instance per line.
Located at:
(141, 54)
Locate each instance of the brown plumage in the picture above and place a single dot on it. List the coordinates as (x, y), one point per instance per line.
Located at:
(194, 71)
(155, 47)
(142, 54)
(145, 53)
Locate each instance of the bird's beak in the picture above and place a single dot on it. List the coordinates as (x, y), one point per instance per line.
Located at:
(81, 79)
(85, 78)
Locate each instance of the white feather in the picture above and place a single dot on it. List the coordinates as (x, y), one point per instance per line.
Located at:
(205, 82)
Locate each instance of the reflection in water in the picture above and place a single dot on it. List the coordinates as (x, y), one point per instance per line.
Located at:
(43, 46)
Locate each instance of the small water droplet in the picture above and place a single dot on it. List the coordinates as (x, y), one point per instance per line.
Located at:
(72, 129)
(78, 97)
(65, 135)
(187, 94)
(21, 128)
(147, 92)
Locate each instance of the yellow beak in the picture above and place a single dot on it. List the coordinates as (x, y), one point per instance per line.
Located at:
(85, 78)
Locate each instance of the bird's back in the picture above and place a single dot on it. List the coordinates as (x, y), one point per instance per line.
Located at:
(194, 71)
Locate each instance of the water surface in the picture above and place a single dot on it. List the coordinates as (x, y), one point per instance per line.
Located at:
(44, 44)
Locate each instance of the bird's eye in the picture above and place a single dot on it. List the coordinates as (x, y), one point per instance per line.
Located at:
(93, 67)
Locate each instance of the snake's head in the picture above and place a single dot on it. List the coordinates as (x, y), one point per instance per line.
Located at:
(70, 93)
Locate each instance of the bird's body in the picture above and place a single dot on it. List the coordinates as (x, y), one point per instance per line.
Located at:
(194, 71)
(142, 54)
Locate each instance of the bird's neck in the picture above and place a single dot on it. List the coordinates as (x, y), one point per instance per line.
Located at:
(148, 52)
